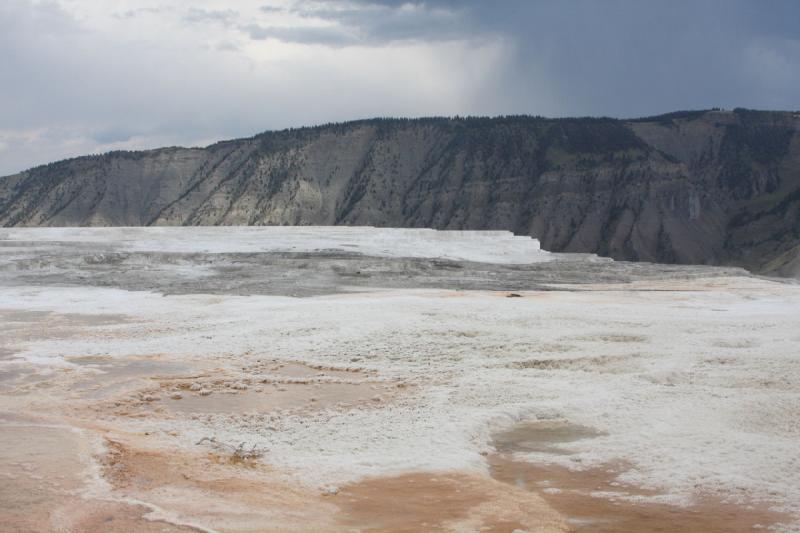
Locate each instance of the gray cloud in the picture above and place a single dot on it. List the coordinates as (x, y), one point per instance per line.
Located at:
(133, 13)
(382, 22)
(331, 36)
(225, 16)
(348, 23)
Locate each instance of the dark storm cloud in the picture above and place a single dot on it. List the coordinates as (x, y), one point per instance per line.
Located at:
(611, 57)
(627, 58)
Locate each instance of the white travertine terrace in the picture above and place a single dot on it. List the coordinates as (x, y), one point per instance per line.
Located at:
(502, 247)
(692, 382)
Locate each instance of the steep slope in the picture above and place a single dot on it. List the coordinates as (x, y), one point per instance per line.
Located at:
(710, 187)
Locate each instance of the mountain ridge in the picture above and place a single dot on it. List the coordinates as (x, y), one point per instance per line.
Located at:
(708, 186)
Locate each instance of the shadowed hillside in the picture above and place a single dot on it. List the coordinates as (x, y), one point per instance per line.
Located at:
(710, 187)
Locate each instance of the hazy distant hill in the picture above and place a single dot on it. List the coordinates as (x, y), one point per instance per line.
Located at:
(714, 187)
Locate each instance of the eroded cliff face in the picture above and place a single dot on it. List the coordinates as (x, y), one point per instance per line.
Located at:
(698, 187)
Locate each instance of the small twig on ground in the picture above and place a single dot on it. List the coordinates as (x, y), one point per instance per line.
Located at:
(238, 454)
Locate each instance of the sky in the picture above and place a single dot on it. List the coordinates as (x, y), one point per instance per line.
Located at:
(89, 76)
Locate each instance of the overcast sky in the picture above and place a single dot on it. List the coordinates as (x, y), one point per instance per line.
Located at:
(87, 76)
